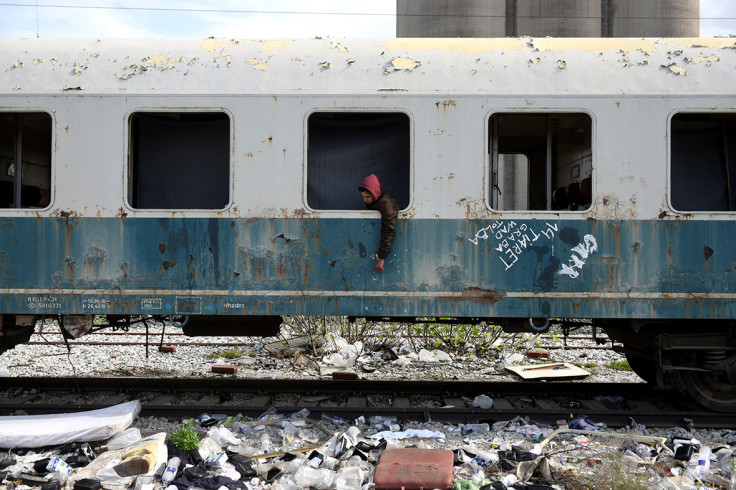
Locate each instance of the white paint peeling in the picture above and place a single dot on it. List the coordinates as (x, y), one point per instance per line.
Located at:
(156, 58)
(339, 47)
(468, 46)
(527, 66)
(707, 59)
(676, 69)
(276, 44)
(258, 63)
(211, 45)
(404, 63)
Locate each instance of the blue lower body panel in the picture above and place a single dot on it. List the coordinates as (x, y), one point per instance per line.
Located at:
(324, 266)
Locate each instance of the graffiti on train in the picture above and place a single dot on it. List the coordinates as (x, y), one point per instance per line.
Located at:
(583, 250)
(513, 240)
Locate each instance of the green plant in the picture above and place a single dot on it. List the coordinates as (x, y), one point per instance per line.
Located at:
(614, 473)
(233, 353)
(185, 437)
(619, 365)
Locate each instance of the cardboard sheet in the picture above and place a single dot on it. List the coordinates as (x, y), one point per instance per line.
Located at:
(554, 370)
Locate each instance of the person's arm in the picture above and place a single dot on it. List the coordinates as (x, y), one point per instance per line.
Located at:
(389, 218)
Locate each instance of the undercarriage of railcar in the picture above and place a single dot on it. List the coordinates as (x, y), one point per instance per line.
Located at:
(696, 357)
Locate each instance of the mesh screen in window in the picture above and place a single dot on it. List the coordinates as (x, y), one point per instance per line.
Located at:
(541, 161)
(179, 160)
(703, 162)
(345, 147)
(25, 160)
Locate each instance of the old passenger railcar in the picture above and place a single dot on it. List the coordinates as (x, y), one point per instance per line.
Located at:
(540, 179)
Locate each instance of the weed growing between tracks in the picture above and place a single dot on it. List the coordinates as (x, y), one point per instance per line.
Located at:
(483, 340)
(619, 365)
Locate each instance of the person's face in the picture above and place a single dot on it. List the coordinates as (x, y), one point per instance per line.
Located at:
(367, 197)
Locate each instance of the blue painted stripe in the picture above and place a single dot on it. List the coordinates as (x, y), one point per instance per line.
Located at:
(518, 268)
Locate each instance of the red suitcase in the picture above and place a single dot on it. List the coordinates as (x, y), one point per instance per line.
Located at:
(414, 469)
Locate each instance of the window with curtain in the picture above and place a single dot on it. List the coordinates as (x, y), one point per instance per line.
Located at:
(345, 147)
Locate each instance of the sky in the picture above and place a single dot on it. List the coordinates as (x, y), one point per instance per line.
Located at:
(244, 19)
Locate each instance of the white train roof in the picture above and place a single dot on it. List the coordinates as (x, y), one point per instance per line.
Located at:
(449, 67)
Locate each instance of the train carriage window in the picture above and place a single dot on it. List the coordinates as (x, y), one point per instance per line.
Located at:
(540, 161)
(25, 160)
(345, 147)
(703, 162)
(179, 160)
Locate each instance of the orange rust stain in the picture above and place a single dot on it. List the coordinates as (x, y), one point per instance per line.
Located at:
(477, 295)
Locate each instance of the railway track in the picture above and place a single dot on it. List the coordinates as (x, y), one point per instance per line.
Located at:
(547, 342)
(449, 401)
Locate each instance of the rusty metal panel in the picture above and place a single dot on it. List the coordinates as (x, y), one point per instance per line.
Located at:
(516, 268)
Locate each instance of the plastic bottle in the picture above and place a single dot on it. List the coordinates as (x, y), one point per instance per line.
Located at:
(703, 462)
(301, 414)
(334, 419)
(475, 428)
(170, 473)
(265, 443)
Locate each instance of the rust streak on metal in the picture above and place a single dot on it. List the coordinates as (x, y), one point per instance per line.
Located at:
(477, 295)
(707, 252)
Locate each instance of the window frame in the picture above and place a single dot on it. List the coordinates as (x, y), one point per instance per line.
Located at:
(128, 156)
(668, 132)
(38, 111)
(356, 110)
(490, 149)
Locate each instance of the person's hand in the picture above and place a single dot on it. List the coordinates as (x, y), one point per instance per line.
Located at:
(379, 266)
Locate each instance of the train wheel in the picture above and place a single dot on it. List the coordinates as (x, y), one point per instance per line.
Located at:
(643, 364)
(713, 391)
(12, 334)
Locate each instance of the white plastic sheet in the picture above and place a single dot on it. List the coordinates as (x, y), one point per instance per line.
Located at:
(33, 431)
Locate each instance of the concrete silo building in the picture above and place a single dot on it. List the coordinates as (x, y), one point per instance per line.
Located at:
(555, 18)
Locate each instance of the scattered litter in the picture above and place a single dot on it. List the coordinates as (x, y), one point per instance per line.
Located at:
(434, 356)
(483, 401)
(288, 452)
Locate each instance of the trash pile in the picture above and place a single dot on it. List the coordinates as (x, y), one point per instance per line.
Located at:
(278, 451)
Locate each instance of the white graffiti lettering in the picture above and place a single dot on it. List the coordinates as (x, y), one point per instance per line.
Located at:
(512, 239)
(583, 251)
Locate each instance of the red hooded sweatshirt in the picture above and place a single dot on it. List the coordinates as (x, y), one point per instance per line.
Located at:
(389, 209)
(372, 185)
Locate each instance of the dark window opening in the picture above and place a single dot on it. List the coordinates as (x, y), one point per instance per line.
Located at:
(703, 162)
(179, 160)
(344, 148)
(541, 161)
(25, 160)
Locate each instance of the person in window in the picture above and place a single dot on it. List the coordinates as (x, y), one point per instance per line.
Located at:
(374, 198)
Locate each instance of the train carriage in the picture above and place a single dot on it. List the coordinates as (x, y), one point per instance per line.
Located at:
(215, 182)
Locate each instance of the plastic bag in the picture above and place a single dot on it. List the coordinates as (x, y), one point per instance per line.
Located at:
(126, 438)
(307, 477)
(222, 436)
